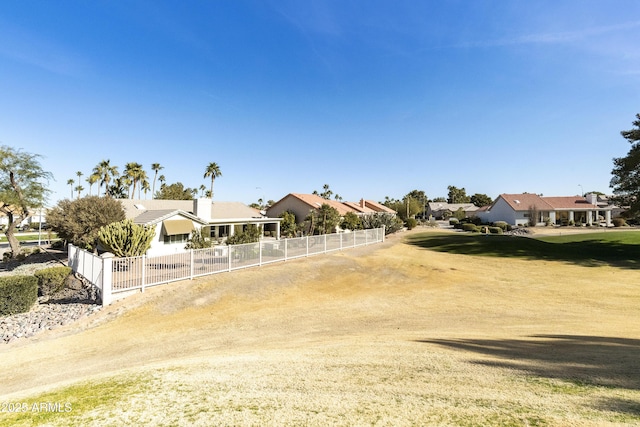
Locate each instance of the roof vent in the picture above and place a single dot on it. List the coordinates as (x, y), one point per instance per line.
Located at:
(517, 201)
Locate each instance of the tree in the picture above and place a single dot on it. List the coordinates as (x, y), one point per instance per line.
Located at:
(626, 171)
(92, 179)
(136, 174)
(323, 220)
(79, 221)
(70, 183)
(105, 172)
(250, 234)
(351, 221)
(79, 189)
(126, 239)
(21, 188)
(213, 171)
(175, 191)
(440, 200)
(376, 220)
(288, 226)
(156, 168)
(457, 195)
(481, 200)
(421, 197)
(199, 239)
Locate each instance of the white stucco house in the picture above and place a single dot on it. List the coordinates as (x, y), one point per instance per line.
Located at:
(444, 210)
(515, 209)
(176, 219)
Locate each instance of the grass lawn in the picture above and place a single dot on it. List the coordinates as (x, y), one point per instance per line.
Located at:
(29, 237)
(428, 328)
(619, 249)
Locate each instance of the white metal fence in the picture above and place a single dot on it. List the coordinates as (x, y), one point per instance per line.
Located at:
(113, 275)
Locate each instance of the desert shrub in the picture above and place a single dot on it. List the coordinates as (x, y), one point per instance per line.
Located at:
(470, 227)
(17, 294)
(619, 222)
(495, 230)
(431, 223)
(51, 280)
(453, 221)
(473, 220)
(411, 223)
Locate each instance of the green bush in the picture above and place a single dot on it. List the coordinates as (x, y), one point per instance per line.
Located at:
(501, 224)
(51, 280)
(17, 294)
(470, 227)
(453, 221)
(411, 223)
(495, 230)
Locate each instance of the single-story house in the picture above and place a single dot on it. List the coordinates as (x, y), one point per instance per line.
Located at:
(222, 219)
(516, 209)
(36, 216)
(303, 204)
(444, 210)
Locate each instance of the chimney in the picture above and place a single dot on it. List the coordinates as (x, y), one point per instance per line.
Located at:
(362, 203)
(202, 208)
(592, 198)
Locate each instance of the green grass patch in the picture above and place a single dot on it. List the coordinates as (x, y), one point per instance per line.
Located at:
(619, 249)
(29, 237)
(71, 406)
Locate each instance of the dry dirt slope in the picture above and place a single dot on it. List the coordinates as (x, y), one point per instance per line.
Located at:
(388, 334)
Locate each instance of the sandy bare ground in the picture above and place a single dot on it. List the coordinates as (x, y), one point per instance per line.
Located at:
(388, 334)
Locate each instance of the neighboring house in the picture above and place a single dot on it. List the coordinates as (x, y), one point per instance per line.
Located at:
(301, 205)
(443, 210)
(516, 209)
(35, 217)
(222, 219)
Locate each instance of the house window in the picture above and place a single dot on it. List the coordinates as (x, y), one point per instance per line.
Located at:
(175, 238)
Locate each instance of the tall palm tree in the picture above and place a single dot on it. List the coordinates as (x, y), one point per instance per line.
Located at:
(70, 183)
(213, 170)
(135, 173)
(79, 173)
(202, 190)
(92, 179)
(145, 187)
(156, 168)
(79, 189)
(105, 171)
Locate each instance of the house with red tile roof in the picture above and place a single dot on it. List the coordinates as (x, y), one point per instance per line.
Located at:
(516, 209)
(303, 204)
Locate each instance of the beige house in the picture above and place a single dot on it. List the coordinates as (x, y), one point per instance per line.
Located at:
(516, 209)
(173, 217)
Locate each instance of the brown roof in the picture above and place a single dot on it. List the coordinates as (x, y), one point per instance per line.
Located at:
(316, 201)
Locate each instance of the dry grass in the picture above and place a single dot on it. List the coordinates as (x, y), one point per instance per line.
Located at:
(384, 335)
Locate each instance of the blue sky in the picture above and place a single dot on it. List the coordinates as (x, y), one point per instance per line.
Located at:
(374, 98)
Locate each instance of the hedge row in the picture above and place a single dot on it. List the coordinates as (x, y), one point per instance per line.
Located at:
(17, 294)
(51, 280)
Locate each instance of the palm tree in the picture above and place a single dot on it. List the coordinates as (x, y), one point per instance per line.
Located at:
(145, 187)
(162, 180)
(135, 173)
(156, 168)
(79, 173)
(105, 172)
(79, 189)
(70, 183)
(202, 189)
(213, 170)
(92, 179)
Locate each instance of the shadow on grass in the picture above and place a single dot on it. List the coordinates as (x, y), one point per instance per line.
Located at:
(614, 249)
(580, 360)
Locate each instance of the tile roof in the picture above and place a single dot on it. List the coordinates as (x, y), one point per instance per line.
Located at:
(522, 202)
(316, 201)
(219, 210)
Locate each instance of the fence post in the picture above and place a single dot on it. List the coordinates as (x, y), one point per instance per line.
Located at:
(144, 273)
(285, 249)
(307, 245)
(107, 279)
(229, 255)
(191, 258)
(383, 234)
(260, 256)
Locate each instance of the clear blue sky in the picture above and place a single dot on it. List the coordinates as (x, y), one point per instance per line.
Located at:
(374, 98)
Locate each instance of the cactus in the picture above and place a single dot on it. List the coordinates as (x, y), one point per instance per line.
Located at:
(125, 238)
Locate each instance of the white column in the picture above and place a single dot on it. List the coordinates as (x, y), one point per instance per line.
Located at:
(607, 215)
